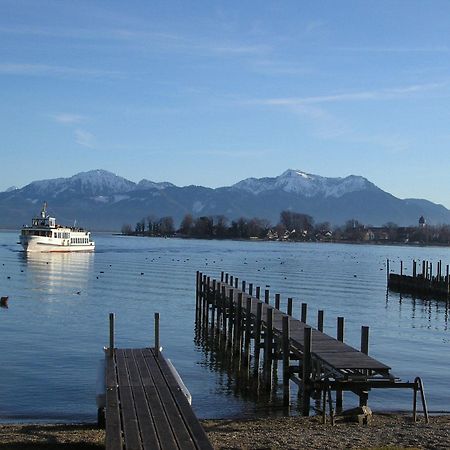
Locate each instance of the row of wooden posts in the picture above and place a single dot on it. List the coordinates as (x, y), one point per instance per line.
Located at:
(237, 330)
(424, 282)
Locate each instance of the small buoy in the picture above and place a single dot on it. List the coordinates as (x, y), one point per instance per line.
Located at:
(4, 302)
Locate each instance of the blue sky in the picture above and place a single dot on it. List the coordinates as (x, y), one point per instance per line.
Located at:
(209, 93)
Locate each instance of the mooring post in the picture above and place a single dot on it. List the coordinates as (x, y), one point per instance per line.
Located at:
(157, 346)
(231, 313)
(111, 334)
(238, 327)
(236, 282)
(268, 348)
(243, 286)
(401, 268)
(304, 312)
(289, 306)
(286, 360)
(306, 369)
(196, 291)
(387, 270)
(277, 301)
(258, 292)
(423, 270)
(340, 337)
(250, 288)
(231, 281)
(267, 296)
(205, 300)
(320, 320)
(365, 340)
(225, 310)
(447, 279)
(213, 303)
(248, 330)
(222, 274)
(257, 338)
(226, 278)
(414, 268)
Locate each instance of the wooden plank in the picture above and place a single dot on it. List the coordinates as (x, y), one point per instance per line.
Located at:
(162, 426)
(171, 410)
(196, 430)
(113, 431)
(143, 413)
(130, 425)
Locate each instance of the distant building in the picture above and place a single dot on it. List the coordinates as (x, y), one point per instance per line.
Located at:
(422, 222)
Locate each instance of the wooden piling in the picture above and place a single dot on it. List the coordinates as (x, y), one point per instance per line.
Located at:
(268, 348)
(250, 288)
(111, 334)
(258, 292)
(286, 360)
(304, 312)
(243, 286)
(320, 320)
(267, 296)
(157, 344)
(340, 337)
(306, 369)
(277, 301)
(365, 340)
(257, 333)
(289, 306)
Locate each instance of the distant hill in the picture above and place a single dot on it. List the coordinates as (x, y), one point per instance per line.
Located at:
(101, 200)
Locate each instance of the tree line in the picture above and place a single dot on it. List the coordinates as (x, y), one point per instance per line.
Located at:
(292, 226)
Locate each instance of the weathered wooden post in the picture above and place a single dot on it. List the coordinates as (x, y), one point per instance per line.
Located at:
(111, 335)
(387, 270)
(306, 369)
(267, 296)
(340, 337)
(277, 301)
(365, 340)
(268, 348)
(238, 327)
(258, 292)
(231, 313)
(414, 269)
(157, 345)
(222, 274)
(236, 282)
(231, 281)
(289, 306)
(304, 312)
(447, 279)
(213, 304)
(243, 286)
(250, 288)
(286, 360)
(401, 268)
(257, 334)
(225, 310)
(248, 330)
(320, 320)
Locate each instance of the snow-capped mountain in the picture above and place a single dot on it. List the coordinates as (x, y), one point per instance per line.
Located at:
(101, 200)
(305, 184)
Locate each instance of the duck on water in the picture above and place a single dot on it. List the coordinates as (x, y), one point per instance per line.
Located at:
(45, 235)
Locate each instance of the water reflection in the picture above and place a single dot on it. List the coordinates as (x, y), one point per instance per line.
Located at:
(431, 312)
(51, 271)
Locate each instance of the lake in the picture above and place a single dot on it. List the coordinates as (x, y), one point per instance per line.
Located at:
(53, 333)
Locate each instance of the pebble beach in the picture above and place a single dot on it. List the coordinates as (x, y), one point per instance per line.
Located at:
(386, 431)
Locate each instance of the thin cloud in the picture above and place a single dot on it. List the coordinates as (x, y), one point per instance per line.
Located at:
(375, 95)
(53, 71)
(84, 138)
(68, 118)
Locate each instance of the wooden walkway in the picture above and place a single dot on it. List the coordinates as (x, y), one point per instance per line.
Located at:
(324, 363)
(145, 406)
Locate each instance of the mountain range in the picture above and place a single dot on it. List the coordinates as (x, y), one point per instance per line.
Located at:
(101, 200)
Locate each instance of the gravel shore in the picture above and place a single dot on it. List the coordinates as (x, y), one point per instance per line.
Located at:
(387, 431)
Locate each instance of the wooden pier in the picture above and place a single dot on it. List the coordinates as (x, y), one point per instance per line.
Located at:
(423, 283)
(145, 405)
(258, 335)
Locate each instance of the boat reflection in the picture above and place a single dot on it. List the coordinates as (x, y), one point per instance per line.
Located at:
(49, 272)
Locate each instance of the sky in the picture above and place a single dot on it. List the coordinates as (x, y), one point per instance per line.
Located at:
(209, 92)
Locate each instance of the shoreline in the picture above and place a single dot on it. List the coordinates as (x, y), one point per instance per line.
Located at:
(386, 431)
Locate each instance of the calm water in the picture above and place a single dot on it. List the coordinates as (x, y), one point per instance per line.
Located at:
(53, 332)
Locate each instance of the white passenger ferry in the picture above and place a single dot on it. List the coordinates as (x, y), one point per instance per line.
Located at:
(45, 235)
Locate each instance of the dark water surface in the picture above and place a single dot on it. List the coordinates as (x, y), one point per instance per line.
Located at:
(52, 334)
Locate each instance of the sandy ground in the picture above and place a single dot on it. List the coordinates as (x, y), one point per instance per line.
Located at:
(385, 432)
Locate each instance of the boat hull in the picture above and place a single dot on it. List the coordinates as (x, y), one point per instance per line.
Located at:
(40, 244)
